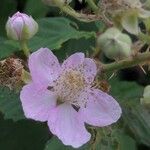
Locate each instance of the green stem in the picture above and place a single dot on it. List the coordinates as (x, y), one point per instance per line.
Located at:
(24, 47)
(144, 38)
(92, 5)
(68, 10)
(25, 76)
(139, 59)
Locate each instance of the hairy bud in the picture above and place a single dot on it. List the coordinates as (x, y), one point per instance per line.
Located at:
(115, 44)
(21, 27)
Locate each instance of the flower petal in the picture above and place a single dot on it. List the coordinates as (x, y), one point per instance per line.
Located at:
(89, 70)
(78, 62)
(65, 122)
(144, 13)
(17, 25)
(10, 31)
(44, 67)
(73, 62)
(101, 109)
(37, 103)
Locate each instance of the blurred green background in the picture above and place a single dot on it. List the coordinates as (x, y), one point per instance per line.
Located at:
(65, 35)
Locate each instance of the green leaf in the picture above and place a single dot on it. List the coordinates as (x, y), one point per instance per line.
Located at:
(72, 46)
(113, 138)
(10, 104)
(124, 90)
(53, 32)
(36, 9)
(124, 140)
(147, 24)
(147, 4)
(138, 120)
(135, 117)
(144, 13)
(130, 21)
(7, 8)
(100, 26)
(102, 139)
(7, 48)
(23, 135)
(55, 144)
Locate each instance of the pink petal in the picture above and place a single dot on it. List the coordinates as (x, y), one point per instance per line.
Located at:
(89, 70)
(44, 67)
(17, 25)
(78, 62)
(73, 62)
(66, 123)
(37, 103)
(101, 109)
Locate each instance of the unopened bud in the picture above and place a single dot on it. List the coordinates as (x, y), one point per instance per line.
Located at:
(115, 44)
(21, 27)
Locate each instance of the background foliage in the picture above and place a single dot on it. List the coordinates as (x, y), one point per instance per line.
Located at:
(65, 35)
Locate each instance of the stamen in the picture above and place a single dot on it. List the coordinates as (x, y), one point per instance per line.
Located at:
(69, 87)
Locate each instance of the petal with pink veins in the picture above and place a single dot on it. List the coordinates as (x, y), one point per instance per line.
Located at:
(37, 103)
(44, 67)
(101, 109)
(73, 62)
(89, 70)
(78, 62)
(17, 25)
(65, 122)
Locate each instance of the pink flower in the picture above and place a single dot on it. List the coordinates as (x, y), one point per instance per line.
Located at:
(62, 95)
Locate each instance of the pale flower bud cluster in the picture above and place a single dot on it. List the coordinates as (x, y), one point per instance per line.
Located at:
(124, 13)
(21, 27)
(115, 44)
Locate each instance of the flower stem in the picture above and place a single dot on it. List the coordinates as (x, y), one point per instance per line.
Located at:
(139, 59)
(25, 48)
(92, 5)
(68, 10)
(26, 77)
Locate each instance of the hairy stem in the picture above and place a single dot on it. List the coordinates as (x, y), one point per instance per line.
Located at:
(68, 10)
(25, 48)
(26, 77)
(139, 59)
(92, 5)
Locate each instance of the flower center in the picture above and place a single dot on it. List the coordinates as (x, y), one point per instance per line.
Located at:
(69, 86)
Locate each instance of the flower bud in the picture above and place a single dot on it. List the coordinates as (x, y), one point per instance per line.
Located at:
(146, 96)
(21, 27)
(114, 44)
